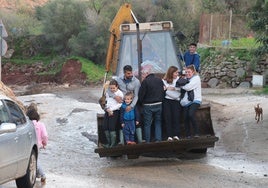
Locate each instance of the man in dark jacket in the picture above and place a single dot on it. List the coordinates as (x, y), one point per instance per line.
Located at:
(151, 95)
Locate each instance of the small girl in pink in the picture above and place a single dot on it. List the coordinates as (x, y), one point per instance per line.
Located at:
(42, 138)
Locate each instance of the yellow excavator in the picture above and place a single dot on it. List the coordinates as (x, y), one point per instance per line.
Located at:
(148, 45)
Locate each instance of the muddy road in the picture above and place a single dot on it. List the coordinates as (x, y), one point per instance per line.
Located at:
(239, 159)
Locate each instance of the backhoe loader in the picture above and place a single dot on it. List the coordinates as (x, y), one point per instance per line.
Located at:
(152, 45)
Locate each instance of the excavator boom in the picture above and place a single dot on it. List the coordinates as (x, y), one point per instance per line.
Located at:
(123, 16)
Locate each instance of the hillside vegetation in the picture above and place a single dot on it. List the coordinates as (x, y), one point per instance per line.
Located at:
(13, 5)
(53, 31)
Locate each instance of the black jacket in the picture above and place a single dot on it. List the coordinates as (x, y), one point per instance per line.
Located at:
(151, 90)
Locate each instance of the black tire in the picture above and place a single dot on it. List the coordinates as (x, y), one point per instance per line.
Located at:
(28, 180)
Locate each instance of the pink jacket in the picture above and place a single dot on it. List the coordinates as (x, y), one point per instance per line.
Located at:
(41, 133)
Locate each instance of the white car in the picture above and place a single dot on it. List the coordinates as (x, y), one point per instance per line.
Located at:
(18, 145)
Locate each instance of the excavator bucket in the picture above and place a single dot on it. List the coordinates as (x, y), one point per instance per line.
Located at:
(206, 140)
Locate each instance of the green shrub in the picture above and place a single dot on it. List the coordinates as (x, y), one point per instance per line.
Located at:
(243, 54)
(204, 52)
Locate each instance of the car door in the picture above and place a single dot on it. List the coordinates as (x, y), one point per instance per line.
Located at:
(8, 148)
(24, 135)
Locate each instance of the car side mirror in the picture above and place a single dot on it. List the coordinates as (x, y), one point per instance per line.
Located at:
(7, 127)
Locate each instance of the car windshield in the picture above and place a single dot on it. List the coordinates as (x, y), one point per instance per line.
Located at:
(158, 52)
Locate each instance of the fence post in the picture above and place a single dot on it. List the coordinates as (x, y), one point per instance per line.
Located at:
(230, 25)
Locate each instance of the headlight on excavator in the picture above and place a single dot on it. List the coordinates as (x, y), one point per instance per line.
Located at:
(166, 25)
(125, 27)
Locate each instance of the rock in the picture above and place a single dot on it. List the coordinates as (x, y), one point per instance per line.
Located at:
(213, 82)
(240, 72)
(244, 85)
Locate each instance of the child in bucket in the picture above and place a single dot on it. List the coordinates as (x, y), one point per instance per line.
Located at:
(112, 113)
(42, 138)
(129, 119)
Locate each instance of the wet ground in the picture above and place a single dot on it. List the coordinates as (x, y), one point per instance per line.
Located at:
(239, 159)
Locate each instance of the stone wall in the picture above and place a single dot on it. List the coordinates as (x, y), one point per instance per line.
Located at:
(223, 73)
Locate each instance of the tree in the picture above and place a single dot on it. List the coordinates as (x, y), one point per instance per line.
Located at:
(185, 16)
(212, 6)
(259, 24)
(62, 19)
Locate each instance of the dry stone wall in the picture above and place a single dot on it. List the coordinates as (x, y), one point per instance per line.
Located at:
(231, 73)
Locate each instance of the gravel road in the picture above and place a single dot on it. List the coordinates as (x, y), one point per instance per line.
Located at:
(239, 159)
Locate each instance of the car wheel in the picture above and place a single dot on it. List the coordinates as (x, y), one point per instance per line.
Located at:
(28, 180)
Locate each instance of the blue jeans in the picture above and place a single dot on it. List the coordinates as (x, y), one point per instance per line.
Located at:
(189, 118)
(129, 130)
(150, 113)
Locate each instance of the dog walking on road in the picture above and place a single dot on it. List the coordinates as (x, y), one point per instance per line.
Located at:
(258, 113)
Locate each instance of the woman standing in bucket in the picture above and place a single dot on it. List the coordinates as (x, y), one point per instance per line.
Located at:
(171, 104)
(191, 100)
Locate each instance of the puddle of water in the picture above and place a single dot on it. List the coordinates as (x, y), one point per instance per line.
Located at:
(237, 162)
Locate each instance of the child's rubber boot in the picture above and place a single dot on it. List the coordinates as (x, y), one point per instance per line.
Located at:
(139, 135)
(108, 138)
(113, 138)
(121, 137)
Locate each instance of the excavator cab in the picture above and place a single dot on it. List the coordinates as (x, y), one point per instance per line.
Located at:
(158, 50)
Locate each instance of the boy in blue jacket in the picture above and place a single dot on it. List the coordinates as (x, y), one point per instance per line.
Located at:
(191, 57)
(129, 119)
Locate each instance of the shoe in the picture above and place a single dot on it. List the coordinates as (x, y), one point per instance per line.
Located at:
(131, 143)
(120, 144)
(169, 139)
(176, 138)
(196, 136)
(188, 137)
(43, 180)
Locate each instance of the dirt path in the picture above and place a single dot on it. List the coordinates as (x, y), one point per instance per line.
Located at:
(234, 120)
(239, 159)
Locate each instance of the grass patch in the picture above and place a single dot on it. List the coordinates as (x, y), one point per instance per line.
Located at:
(54, 61)
(46, 60)
(243, 54)
(265, 90)
(95, 73)
(262, 91)
(238, 43)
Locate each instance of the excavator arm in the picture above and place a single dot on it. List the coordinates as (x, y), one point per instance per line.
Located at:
(124, 15)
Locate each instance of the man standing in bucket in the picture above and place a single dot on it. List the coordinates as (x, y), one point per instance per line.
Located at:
(129, 83)
(151, 95)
